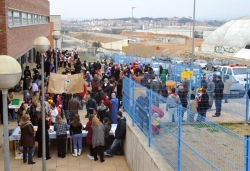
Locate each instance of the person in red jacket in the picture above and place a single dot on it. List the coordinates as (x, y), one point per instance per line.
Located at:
(89, 136)
(106, 101)
(81, 94)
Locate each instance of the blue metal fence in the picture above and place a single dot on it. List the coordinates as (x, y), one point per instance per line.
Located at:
(190, 145)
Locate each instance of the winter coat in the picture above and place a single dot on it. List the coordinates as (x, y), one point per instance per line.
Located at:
(219, 86)
(155, 85)
(227, 85)
(27, 134)
(39, 131)
(203, 103)
(210, 87)
(107, 129)
(185, 85)
(91, 104)
(74, 106)
(98, 135)
(90, 132)
(114, 109)
(183, 98)
(175, 99)
(120, 131)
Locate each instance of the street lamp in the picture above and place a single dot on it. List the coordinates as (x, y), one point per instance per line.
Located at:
(132, 26)
(42, 44)
(56, 36)
(192, 59)
(189, 37)
(10, 74)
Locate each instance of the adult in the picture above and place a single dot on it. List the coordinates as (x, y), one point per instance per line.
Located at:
(91, 105)
(33, 113)
(155, 85)
(89, 136)
(227, 85)
(53, 113)
(61, 129)
(27, 138)
(172, 107)
(210, 91)
(218, 95)
(81, 94)
(143, 107)
(185, 85)
(47, 67)
(120, 134)
(98, 141)
(183, 97)
(39, 137)
(74, 106)
(76, 133)
(21, 111)
(203, 105)
(114, 108)
(65, 110)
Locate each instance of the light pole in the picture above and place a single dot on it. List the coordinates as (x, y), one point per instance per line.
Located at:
(132, 26)
(189, 37)
(42, 44)
(111, 40)
(10, 74)
(192, 59)
(56, 36)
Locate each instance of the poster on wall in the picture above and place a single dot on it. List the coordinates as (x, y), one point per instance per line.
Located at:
(69, 84)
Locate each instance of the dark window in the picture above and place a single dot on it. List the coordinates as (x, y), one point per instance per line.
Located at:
(247, 47)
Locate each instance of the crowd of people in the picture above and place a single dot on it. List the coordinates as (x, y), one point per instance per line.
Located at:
(102, 102)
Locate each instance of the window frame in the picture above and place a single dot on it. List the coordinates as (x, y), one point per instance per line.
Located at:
(10, 23)
(20, 18)
(24, 23)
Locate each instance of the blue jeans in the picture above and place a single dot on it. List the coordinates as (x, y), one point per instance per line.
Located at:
(225, 97)
(218, 107)
(111, 150)
(67, 114)
(80, 98)
(71, 116)
(29, 154)
(202, 116)
(77, 140)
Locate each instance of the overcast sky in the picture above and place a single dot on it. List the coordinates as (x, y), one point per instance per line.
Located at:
(205, 9)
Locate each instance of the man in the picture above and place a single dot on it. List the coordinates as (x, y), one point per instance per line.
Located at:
(172, 107)
(185, 85)
(142, 109)
(99, 94)
(156, 86)
(218, 95)
(227, 85)
(183, 97)
(120, 133)
(91, 105)
(82, 94)
(74, 106)
(47, 67)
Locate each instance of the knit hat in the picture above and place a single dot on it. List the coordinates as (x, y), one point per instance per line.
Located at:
(113, 95)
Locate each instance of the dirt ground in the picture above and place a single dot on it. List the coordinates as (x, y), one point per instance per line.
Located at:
(92, 38)
(241, 128)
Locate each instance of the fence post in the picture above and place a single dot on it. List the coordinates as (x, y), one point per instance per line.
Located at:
(247, 153)
(247, 98)
(133, 101)
(179, 108)
(189, 98)
(150, 119)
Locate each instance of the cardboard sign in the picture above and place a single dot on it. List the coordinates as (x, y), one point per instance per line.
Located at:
(69, 84)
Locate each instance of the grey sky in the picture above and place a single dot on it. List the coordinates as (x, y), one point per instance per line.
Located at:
(205, 9)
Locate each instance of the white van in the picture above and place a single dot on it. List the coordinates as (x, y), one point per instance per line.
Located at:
(238, 72)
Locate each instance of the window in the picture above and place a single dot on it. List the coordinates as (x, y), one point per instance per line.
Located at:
(40, 19)
(35, 18)
(30, 19)
(10, 21)
(229, 71)
(16, 18)
(24, 18)
(224, 69)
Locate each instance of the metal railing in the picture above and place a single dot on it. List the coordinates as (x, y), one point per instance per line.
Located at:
(185, 139)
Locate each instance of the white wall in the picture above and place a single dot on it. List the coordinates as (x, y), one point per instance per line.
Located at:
(56, 19)
(115, 45)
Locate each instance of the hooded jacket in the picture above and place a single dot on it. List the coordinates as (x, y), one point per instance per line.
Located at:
(175, 99)
(155, 85)
(120, 131)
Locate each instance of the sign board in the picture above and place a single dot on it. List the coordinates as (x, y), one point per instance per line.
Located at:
(124, 47)
(70, 84)
(187, 74)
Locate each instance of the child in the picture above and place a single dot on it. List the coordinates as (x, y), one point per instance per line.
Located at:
(107, 126)
(87, 76)
(89, 137)
(155, 124)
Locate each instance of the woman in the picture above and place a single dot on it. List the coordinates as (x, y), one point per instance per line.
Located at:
(61, 129)
(89, 135)
(107, 126)
(27, 138)
(98, 138)
(203, 105)
(76, 133)
(114, 108)
(39, 136)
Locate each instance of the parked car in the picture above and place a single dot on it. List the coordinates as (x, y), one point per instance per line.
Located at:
(228, 62)
(188, 61)
(178, 61)
(213, 65)
(200, 63)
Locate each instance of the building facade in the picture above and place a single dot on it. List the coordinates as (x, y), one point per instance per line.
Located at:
(21, 22)
(55, 25)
